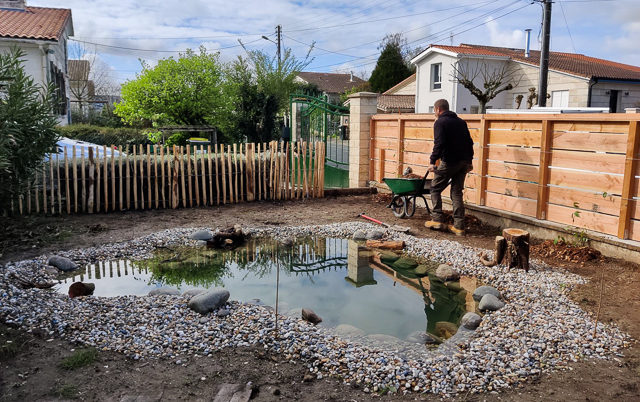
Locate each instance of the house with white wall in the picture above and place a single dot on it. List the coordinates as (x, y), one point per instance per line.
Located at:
(575, 80)
(42, 33)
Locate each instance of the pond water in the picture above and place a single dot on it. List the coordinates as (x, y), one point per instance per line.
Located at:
(341, 281)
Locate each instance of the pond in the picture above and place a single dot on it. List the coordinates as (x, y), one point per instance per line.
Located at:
(340, 280)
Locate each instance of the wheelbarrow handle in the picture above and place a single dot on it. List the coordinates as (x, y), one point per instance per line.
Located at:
(373, 220)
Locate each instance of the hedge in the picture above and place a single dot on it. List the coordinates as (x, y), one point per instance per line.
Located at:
(105, 135)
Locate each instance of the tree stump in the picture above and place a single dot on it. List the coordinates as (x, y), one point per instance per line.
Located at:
(229, 238)
(513, 247)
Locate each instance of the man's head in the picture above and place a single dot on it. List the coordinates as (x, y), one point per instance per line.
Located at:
(440, 107)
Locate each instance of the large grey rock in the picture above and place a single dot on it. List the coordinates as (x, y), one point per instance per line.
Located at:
(348, 330)
(485, 290)
(359, 235)
(374, 235)
(193, 292)
(310, 316)
(201, 235)
(164, 291)
(208, 301)
(447, 273)
(445, 329)
(422, 338)
(62, 263)
(471, 320)
(490, 303)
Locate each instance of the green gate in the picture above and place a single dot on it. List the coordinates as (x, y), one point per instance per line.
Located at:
(319, 120)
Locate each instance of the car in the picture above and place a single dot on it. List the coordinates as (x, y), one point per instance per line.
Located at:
(82, 147)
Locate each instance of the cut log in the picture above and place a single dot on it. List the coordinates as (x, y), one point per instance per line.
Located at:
(498, 254)
(229, 238)
(386, 245)
(517, 253)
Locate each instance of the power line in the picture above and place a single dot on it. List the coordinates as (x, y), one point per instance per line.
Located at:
(153, 50)
(316, 20)
(567, 24)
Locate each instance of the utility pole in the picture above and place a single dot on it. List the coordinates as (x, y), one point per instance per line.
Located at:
(279, 33)
(544, 54)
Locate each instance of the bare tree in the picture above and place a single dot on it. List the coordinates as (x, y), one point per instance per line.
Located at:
(89, 75)
(495, 79)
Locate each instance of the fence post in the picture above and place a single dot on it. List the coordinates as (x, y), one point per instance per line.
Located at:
(363, 105)
(543, 176)
(628, 185)
(482, 162)
(400, 149)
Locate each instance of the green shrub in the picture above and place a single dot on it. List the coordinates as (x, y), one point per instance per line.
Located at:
(79, 358)
(106, 135)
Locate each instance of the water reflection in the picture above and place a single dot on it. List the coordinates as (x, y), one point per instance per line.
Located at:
(339, 279)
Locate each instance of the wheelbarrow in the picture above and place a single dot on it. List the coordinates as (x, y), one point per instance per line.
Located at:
(405, 193)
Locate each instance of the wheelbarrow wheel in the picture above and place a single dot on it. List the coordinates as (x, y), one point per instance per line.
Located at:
(397, 207)
(409, 207)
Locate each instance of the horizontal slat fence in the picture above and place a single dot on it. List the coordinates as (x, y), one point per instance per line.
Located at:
(543, 166)
(177, 177)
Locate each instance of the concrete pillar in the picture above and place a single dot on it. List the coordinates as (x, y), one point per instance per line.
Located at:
(362, 106)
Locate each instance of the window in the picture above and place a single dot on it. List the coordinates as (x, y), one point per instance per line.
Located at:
(474, 109)
(430, 109)
(436, 76)
(560, 98)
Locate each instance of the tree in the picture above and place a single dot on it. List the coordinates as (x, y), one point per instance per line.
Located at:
(390, 68)
(188, 90)
(254, 112)
(27, 125)
(398, 40)
(496, 78)
(91, 77)
(277, 78)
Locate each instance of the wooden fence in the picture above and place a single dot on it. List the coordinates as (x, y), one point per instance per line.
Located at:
(580, 170)
(172, 178)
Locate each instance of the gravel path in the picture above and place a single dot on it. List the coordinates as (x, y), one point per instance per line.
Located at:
(538, 330)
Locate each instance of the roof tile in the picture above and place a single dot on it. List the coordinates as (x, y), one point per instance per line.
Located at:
(331, 83)
(34, 23)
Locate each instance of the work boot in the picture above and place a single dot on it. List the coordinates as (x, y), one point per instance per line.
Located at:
(456, 231)
(433, 225)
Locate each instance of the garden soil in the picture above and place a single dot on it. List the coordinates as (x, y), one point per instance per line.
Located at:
(29, 365)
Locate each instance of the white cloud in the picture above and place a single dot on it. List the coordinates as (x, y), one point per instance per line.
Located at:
(504, 37)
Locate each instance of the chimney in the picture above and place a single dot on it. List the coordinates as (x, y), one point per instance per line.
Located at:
(13, 4)
(526, 52)
(351, 78)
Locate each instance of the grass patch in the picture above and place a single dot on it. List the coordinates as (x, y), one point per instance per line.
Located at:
(65, 391)
(79, 358)
(11, 343)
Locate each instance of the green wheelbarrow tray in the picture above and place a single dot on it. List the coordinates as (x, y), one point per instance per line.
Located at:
(405, 192)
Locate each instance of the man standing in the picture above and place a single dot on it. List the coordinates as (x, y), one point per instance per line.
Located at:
(454, 147)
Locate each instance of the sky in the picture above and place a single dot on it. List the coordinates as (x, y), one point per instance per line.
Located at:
(346, 33)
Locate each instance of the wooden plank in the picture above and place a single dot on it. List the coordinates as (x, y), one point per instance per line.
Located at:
(223, 177)
(259, 171)
(381, 163)
(281, 168)
(512, 171)
(597, 182)
(105, 171)
(243, 162)
(417, 146)
(400, 149)
(372, 147)
(522, 138)
(598, 162)
(469, 195)
(513, 188)
(629, 180)
(250, 172)
(142, 174)
(170, 163)
(634, 230)
(44, 187)
(74, 164)
(482, 167)
(305, 145)
(182, 177)
(203, 168)
(211, 176)
(67, 183)
(413, 159)
(121, 198)
(83, 165)
(196, 182)
(588, 200)
(513, 124)
(322, 167)
(615, 143)
(272, 169)
(162, 173)
(416, 123)
(417, 133)
(387, 131)
(392, 122)
(113, 178)
(543, 173)
(189, 181)
(264, 170)
(236, 190)
(386, 143)
(155, 175)
(588, 220)
(175, 197)
(230, 166)
(502, 202)
(128, 181)
(592, 127)
(300, 171)
(91, 182)
(53, 186)
(471, 180)
(514, 154)
(135, 179)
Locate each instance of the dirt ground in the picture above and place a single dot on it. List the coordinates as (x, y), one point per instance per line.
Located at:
(29, 365)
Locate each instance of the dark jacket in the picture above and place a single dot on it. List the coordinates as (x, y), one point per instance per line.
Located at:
(452, 140)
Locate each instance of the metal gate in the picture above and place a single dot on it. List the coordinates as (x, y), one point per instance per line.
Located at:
(316, 119)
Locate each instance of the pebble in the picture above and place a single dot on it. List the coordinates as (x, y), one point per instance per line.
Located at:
(539, 329)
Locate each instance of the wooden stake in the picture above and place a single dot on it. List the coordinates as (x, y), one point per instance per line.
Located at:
(29, 197)
(113, 177)
(243, 161)
(121, 197)
(231, 191)
(182, 169)
(305, 193)
(162, 186)
(148, 176)
(250, 172)
(287, 187)
(91, 182)
(211, 177)
(67, 184)
(223, 177)
(264, 171)
(189, 175)
(235, 173)
(155, 175)
(105, 171)
(259, 173)
(37, 195)
(141, 176)
(135, 179)
(599, 303)
(204, 176)
(44, 188)
(59, 183)
(83, 201)
(195, 175)
(299, 192)
(74, 163)
(175, 198)
(128, 181)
